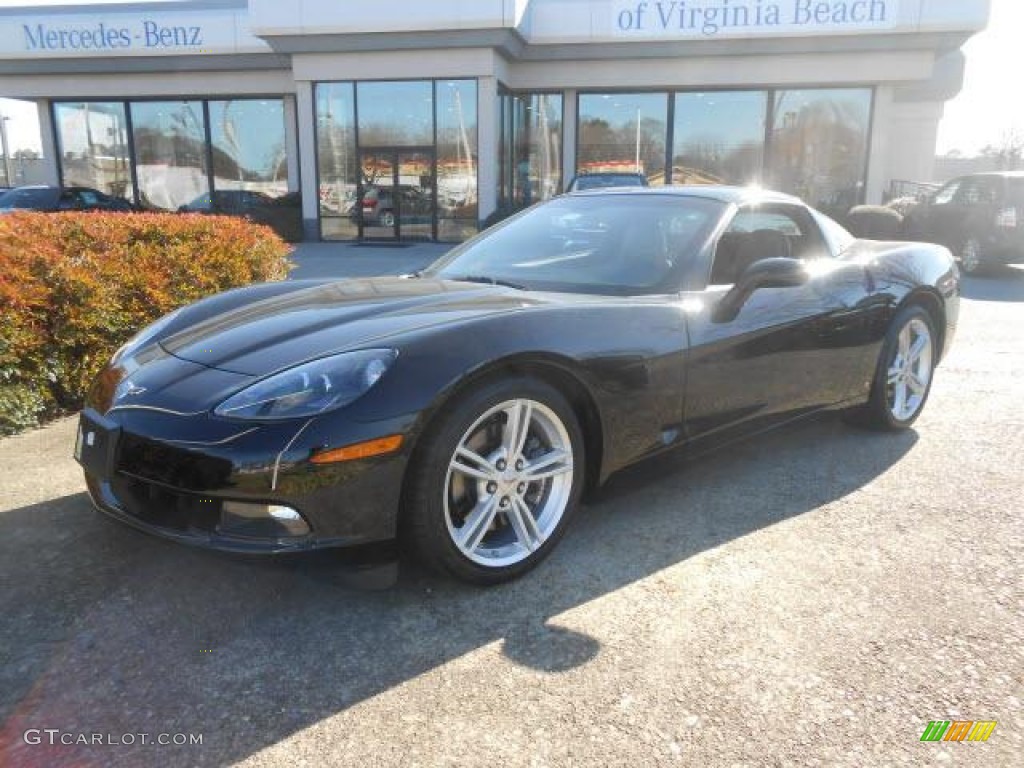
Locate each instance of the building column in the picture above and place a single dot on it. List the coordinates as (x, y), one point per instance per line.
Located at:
(48, 136)
(291, 144)
(488, 141)
(913, 131)
(878, 179)
(305, 108)
(568, 136)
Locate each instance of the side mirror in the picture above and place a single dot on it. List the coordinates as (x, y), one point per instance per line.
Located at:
(766, 273)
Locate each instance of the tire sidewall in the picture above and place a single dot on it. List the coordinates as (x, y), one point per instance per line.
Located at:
(424, 499)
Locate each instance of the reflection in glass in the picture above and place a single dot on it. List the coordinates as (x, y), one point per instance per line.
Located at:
(456, 157)
(170, 152)
(249, 146)
(531, 148)
(336, 159)
(93, 141)
(623, 132)
(393, 114)
(819, 145)
(415, 194)
(718, 137)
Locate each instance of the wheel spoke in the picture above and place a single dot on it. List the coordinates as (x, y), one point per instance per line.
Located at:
(551, 464)
(524, 525)
(894, 374)
(900, 404)
(477, 523)
(483, 470)
(916, 384)
(517, 426)
(918, 349)
(904, 343)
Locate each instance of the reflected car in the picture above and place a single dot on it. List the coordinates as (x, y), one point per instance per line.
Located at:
(283, 214)
(464, 410)
(980, 218)
(379, 206)
(606, 180)
(50, 199)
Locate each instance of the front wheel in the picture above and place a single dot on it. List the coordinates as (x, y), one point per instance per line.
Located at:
(493, 486)
(903, 378)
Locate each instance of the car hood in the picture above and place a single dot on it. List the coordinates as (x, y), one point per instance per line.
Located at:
(276, 333)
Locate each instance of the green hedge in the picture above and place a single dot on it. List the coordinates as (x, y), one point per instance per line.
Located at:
(75, 286)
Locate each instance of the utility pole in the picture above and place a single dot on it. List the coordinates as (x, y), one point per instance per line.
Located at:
(7, 153)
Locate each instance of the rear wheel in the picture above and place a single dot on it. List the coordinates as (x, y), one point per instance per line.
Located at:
(903, 378)
(495, 484)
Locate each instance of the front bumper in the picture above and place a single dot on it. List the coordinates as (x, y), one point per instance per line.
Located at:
(180, 488)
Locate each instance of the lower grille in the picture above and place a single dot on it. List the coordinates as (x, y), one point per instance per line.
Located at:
(164, 508)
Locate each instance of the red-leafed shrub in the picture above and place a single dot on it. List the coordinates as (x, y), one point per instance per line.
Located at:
(75, 286)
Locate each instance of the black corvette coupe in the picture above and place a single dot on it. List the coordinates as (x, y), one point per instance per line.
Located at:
(464, 409)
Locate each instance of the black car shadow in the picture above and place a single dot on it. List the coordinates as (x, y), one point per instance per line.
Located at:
(997, 284)
(108, 630)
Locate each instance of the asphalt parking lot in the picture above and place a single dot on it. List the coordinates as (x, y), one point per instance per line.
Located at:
(813, 597)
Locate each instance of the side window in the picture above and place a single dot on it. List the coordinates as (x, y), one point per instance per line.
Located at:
(89, 198)
(945, 195)
(765, 232)
(68, 201)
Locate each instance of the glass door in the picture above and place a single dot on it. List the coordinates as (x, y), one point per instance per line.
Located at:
(416, 207)
(397, 196)
(378, 216)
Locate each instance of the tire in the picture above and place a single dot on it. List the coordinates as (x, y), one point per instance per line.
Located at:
(471, 512)
(387, 219)
(969, 256)
(885, 410)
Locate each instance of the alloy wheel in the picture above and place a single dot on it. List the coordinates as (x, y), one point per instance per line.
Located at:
(508, 483)
(910, 370)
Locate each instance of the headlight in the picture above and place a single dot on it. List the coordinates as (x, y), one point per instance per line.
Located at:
(144, 336)
(312, 388)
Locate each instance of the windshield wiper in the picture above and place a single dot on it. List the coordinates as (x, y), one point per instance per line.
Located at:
(487, 280)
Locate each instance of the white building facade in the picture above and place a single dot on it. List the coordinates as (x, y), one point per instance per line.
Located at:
(410, 119)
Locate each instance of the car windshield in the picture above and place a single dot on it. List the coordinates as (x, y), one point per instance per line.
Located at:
(605, 244)
(28, 198)
(607, 180)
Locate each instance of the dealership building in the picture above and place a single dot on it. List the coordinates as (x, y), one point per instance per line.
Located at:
(419, 119)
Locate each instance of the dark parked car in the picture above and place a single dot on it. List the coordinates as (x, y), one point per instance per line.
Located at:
(466, 408)
(61, 199)
(282, 214)
(606, 180)
(980, 218)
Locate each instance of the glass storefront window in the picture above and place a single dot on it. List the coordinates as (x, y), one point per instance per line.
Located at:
(457, 203)
(819, 145)
(718, 137)
(623, 132)
(93, 143)
(170, 153)
(249, 146)
(396, 114)
(536, 147)
(337, 161)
